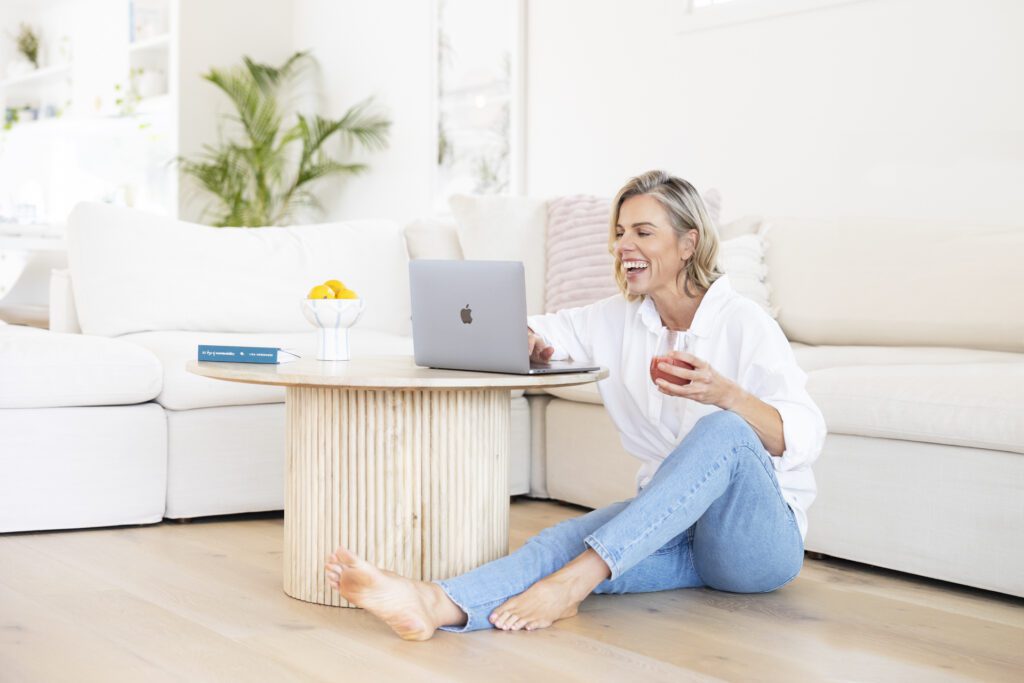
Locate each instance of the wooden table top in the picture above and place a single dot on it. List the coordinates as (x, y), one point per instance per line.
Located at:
(380, 372)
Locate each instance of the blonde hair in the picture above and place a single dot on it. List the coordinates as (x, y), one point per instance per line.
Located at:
(686, 212)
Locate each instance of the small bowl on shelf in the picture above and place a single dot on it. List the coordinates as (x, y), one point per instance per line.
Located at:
(332, 318)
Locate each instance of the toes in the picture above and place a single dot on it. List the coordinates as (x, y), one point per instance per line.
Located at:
(516, 623)
(345, 557)
(498, 617)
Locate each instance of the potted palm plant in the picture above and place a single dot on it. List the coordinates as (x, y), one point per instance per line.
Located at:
(265, 173)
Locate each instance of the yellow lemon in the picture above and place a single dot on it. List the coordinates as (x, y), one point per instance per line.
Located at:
(321, 292)
(346, 294)
(336, 286)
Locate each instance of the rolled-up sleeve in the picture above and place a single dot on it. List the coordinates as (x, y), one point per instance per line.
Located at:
(803, 426)
(774, 377)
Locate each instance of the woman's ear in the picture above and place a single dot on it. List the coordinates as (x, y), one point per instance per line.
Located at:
(688, 245)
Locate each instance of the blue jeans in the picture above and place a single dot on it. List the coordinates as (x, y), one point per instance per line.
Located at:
(712, 515)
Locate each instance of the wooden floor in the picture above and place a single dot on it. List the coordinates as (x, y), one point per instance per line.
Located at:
(203, 601)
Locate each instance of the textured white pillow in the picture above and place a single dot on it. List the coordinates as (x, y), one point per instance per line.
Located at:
(742, 259)
(134, 272)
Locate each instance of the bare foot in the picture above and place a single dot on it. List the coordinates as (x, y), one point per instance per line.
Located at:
(412, 609)
(554, 597)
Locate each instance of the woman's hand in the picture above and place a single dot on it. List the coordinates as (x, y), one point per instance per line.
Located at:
(540, 352)
(706, 385)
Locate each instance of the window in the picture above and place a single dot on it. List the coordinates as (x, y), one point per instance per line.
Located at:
(478, 107)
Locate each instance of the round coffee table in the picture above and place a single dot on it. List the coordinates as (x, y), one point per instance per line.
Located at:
(404, 465)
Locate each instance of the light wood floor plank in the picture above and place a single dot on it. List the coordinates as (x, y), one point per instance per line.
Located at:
(204, 602)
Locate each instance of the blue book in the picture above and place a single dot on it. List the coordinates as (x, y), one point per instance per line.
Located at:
(245, 354)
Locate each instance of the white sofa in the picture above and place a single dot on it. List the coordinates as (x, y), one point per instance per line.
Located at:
(101, 425)
(912, 337)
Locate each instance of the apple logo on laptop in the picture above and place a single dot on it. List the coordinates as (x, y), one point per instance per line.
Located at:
(466, 314)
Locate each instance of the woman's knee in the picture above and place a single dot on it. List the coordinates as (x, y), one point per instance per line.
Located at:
(763, 577)
(725, 424)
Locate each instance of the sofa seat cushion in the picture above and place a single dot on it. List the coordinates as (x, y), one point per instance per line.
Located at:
(43, 369)
(183, 391)
(812, 358)
(978, 405)
(581, 393)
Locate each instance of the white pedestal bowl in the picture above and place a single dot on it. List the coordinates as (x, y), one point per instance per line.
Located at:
(333, 318)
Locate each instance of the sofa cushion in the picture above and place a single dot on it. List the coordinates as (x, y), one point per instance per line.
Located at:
(935, 395)
(818, 357)
(43, 369)
(507, 229)
(134, 272)
(183, 390)
(979, 405)
(579, 266)
(432, 239)
(898, 283)
(581, 393)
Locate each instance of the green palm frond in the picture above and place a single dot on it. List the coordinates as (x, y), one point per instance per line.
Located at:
(259, 178)
(361, 125)
(268, 78)
(313, 171)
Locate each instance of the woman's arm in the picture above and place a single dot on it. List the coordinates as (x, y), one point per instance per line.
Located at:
(765, 419)
(708, 386)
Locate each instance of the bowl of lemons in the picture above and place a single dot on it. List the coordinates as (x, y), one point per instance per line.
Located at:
(333, 308)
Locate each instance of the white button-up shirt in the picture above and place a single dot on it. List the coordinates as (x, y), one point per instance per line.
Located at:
(734, 335)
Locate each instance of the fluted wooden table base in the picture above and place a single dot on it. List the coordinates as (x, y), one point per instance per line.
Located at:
(413, 480)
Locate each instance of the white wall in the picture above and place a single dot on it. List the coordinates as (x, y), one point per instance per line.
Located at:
(876, 108)
(382, 48)
(218, 34)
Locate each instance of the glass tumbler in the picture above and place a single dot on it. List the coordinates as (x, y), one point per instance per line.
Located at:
(671, 340)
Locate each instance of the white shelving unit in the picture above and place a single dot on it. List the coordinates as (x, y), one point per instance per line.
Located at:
(75, 141)
(151, 44)
(98, 150)
(44, 75)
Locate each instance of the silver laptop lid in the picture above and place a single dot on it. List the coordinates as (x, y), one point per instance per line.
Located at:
(469, 315)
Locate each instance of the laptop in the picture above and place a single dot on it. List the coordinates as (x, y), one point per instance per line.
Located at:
(471, 315)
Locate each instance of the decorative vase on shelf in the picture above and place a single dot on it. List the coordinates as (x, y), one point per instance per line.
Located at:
(151, 83)
(332, 318)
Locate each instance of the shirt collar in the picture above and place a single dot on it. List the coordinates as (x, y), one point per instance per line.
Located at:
(714, 299)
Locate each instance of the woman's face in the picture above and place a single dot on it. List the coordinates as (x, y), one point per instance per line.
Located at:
(651, 254)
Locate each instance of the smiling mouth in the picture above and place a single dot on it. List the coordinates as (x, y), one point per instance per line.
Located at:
(632, 266)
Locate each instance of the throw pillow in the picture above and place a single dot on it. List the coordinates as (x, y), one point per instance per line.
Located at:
(508, 229)
(579, 265)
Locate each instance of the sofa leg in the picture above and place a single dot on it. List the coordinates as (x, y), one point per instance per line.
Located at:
(181, 520)
(811, 555)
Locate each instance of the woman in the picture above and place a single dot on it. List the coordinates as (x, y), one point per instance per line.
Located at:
(726, 479)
